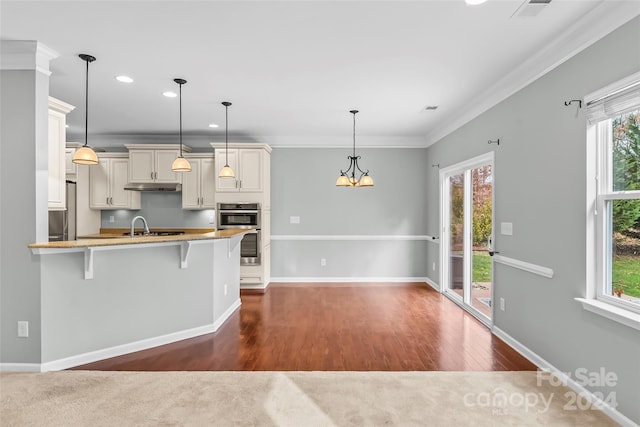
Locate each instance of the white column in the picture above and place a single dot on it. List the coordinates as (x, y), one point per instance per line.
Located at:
(24, 84)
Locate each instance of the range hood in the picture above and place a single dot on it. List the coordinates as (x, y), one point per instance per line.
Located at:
(153, 186)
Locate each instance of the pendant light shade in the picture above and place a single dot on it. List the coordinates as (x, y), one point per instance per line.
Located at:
(181, 164)
(85, 154)
(226, 171)
(348, 178)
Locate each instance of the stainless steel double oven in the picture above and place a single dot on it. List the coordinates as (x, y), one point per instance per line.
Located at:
(243, 215)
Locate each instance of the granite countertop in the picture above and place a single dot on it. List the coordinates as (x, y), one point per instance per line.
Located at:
(120, 240)
(114, 233)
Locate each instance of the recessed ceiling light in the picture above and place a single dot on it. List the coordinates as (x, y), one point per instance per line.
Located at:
(124, 79)
(170, 94)
(474, 2)
(213, 125)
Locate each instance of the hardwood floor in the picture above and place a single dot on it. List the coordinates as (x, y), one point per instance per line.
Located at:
(336, 327)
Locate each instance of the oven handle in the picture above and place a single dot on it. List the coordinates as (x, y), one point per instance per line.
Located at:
(253, 211)
(241, 227)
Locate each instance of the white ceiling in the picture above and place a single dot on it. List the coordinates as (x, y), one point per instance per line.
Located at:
(294, 69)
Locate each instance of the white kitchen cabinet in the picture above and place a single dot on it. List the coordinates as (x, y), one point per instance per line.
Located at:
(198, 186)
(107, 181)
(71, 169)
(227, 184)
(251, 163)
(152, 163)
(247, 163)
(57, 189)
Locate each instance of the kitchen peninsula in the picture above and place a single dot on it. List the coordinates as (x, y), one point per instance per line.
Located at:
(105, 297)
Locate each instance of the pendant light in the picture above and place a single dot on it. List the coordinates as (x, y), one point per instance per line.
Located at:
(85, 155)
(226, 171)
(181, 164)
(348, 178)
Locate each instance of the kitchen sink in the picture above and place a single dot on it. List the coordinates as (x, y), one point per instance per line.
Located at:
(155, 233)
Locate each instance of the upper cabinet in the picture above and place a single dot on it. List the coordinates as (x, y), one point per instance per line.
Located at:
(152, 162)
(250, 165)
(71, 169)
(58, 111)
(107, 181)
(198, 186)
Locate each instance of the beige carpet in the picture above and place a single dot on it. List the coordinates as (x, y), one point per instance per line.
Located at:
(92, 398)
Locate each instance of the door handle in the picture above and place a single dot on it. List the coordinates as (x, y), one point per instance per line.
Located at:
(490, 246)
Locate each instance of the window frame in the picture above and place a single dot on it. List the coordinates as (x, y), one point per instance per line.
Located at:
(600, 196)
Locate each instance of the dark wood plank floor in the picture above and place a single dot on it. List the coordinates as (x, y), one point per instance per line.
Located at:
(354, 327)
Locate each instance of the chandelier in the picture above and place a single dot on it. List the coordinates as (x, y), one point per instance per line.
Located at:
(348, 178)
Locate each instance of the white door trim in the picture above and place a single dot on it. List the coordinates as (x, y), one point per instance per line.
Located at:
(463, 167)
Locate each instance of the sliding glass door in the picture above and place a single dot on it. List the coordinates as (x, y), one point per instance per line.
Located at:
(467, 227)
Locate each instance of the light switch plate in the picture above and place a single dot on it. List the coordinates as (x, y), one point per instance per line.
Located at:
(294, 220)
(23, 329)
(506, 228)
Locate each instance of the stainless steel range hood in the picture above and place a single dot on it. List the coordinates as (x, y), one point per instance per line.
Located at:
(153, 186)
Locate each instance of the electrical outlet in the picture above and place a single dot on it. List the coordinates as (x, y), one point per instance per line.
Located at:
(112, 219)
(434, 266)
(294, 220)
(212, 219)
(502, 304)
(23, 329)
(225, 289)
(323, 262)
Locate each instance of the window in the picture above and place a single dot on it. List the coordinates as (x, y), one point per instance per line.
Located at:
(613, 241)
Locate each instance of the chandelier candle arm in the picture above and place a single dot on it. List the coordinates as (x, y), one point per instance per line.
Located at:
(181, 164)
(85, 154)
(344, 180)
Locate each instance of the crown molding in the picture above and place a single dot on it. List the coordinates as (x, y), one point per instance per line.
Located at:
(26, 55)
(599, 22)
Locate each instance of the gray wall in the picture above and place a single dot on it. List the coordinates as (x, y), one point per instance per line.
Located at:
(303, 184)
(160, 209)
(23, 212)
(135, 294)
(540, 186)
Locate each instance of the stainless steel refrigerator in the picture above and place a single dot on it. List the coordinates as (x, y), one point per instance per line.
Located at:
(62, 224)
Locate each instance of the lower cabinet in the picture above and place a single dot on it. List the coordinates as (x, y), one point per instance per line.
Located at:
(198, 186)
(257, 276)
(107, 180)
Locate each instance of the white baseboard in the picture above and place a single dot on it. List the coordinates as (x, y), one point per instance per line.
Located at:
(93, 356)
(19, 367)
(564, 378)
(119, 350)
(347, 279)
(254, 285)
(228, 312)
(433, 284)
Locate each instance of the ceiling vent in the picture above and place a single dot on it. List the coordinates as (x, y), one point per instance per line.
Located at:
(530, 8)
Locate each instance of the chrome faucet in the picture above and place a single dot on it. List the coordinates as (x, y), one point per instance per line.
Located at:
(144, 221)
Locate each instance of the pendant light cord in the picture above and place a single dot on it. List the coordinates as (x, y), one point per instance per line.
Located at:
(354, 134)
(180, 119)
(226, 134)
(86, 106)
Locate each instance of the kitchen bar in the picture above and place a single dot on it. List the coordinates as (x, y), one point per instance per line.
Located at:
(144, 291)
